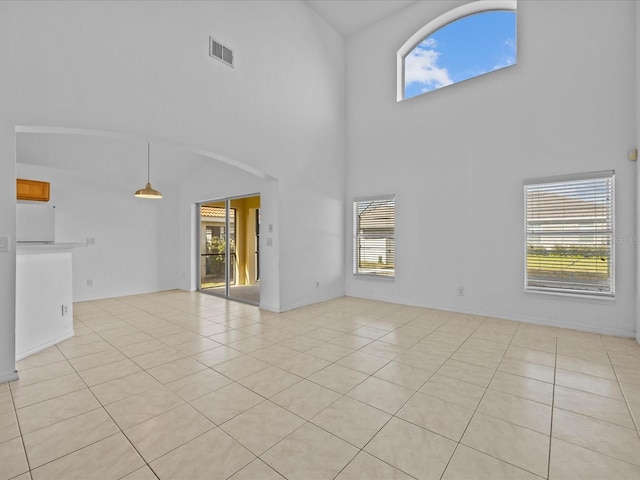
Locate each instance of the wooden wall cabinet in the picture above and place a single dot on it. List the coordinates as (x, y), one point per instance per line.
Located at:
(32, 190)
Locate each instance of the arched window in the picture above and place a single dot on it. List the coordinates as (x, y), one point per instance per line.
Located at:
(468, 41)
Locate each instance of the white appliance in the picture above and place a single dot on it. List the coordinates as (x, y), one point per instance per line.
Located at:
(35, 223)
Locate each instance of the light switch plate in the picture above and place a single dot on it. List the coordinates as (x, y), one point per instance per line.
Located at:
(4, 243)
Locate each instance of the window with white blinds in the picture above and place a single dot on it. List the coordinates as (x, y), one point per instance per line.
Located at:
(569, 234)
(374, 221)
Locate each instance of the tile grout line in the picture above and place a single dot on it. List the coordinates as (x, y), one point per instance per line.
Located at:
(155, 416)
(103, 382)
(369, 375)
(200, 413)
(15, 413)
(417, 391)
(103, 407)
(61, 421)
(553, 401)
(597, 420)
(624, 395)
(476, 411)
(343, 395)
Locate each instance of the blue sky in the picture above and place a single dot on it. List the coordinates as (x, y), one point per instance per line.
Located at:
(463, 49)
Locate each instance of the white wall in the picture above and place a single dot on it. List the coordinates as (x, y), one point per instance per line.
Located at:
(637, 218)
(456, 158)
(142, 68)
(7, 259)
(135, 240)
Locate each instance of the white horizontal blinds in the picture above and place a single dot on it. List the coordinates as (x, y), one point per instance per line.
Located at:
(569, 234)
(374, 236)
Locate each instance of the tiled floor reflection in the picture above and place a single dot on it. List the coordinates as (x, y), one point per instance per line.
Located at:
(179, 385)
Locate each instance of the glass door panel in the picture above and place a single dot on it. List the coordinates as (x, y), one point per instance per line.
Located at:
(246, 285)
(213, 238)
(229, 253)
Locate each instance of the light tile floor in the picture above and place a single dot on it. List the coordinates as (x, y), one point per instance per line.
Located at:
(178, 385)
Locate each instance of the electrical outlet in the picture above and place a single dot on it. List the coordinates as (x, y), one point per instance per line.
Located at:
(91, 241)
(65, 310)
(90, 282)
(317, 284)
(461, 291)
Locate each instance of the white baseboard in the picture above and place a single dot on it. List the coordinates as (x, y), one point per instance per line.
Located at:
(603, 330)
(306, 303)
(8, 377)
(269, 308)
(548, 323)
(42, 346)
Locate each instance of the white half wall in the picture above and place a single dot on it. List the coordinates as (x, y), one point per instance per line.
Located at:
(456, 158)
(44, 305)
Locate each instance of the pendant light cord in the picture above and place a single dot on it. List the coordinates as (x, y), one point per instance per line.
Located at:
(148, 162)
(148, 191)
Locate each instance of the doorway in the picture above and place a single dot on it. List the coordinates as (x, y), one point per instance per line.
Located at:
(229, 248)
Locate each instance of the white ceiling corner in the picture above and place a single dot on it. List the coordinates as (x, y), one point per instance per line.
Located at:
(349, 17)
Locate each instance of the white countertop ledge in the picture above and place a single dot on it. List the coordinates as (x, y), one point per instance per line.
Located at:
(25, 248)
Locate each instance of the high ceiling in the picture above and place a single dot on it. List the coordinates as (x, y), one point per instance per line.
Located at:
(115, 158)
(349, 17)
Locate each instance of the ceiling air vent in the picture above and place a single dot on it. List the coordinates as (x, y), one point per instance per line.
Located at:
(219, 51)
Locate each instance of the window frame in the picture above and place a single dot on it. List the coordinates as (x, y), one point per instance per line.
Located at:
(356, 236)
(478, 6)
(566, 291)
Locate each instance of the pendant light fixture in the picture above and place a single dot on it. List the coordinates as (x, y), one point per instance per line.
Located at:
(148, 192)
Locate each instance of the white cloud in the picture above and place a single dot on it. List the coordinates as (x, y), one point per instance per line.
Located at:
(429, 42)
(509, 58)
(421, 67)
(507, 61)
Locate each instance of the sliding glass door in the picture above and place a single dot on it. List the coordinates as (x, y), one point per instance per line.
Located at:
(228, 251)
